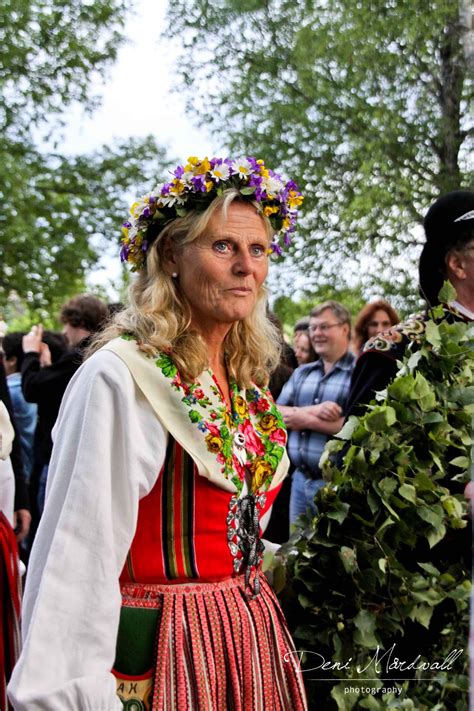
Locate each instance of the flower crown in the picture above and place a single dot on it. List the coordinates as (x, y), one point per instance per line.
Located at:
(195, 186)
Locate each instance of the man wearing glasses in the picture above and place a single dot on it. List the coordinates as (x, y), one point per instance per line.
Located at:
(313, 399)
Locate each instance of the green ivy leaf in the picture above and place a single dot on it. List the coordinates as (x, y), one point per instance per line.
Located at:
(348, 558)
(408, 492)
(422, 614)
(432, 515)
(461, 462)
(365, 634)
(435, 535)
(380, 419)
(348, 429)
(433, 335)
(447, 293)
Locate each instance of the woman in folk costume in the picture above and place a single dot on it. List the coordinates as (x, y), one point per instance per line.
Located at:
(145, 586)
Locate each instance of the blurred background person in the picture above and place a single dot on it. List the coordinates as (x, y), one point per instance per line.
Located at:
(44, 381)
(21, 507)
(374, 318)
(304, 351)
(313, 400)
(25, 413)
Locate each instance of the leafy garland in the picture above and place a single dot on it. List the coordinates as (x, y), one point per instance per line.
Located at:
(385, 561)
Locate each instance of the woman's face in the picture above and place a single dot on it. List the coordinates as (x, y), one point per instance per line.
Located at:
(379, 322)
(302, 347)
(221, 272)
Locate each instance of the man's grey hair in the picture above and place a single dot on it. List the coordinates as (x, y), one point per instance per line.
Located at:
(339, 311)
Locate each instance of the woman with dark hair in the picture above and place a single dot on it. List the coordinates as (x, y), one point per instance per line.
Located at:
(374, 318)
(304, 351)
(169, 452)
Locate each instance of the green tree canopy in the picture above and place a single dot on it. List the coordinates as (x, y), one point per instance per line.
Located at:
(59, 212)
(51, 50)
(364, 103)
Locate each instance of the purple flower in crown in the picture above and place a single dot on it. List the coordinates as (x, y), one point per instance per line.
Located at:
(124, 252)
(276, 249)
(199, 182)
(178, 172)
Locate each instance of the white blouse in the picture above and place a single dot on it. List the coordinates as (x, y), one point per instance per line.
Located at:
(109, 449)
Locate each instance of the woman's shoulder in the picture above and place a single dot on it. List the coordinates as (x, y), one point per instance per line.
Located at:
(102, 366)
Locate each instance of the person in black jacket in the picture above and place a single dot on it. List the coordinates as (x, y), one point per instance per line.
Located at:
(448, 254)
(44, 382)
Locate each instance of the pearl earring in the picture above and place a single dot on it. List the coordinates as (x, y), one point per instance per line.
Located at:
(174, 275)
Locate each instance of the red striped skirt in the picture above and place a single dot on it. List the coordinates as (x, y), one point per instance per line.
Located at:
(213, 648)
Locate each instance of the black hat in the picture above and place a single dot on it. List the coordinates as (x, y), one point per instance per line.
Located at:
(449, 220)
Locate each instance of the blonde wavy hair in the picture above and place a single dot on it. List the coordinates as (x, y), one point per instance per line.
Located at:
(159, 316)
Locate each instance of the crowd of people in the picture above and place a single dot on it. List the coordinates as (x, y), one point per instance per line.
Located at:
(170, 419)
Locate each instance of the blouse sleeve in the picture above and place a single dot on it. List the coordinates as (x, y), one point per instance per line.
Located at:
(109, 448)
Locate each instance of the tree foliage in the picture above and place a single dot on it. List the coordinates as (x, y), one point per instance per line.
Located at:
(59, 212)
(386, 561)
(51, 51)
(364, 103)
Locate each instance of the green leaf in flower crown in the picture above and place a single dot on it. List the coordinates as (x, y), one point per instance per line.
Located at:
(247, 190)
(447, 293)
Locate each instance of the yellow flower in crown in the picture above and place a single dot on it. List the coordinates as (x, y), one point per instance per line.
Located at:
(214, 444)
(295, 199)
(261, 471)
(203, 167)
(267, 424)
(241, 406)
(270, 211)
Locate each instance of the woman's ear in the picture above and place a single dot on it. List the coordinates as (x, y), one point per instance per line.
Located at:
(169, 258)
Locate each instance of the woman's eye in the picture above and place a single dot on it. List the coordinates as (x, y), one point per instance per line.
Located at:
(258, 249)
(221, 247)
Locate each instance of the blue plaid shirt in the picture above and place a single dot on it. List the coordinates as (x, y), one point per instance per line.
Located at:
(309, 385)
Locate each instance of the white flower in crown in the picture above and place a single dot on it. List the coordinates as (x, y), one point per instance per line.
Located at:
(170, 200)
(138, 206)
(272, 185)
(243, 167)
(220, 172)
